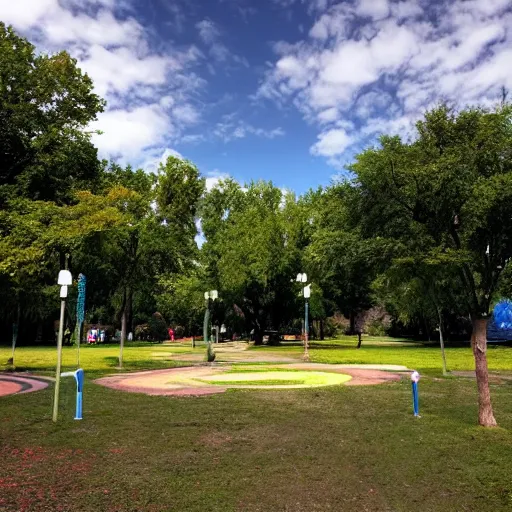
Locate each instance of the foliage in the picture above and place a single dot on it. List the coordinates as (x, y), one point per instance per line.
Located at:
(250, 251)
(46, 102)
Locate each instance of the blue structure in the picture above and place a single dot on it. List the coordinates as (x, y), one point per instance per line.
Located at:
(79, 378)
(415, 377)
(499, 327)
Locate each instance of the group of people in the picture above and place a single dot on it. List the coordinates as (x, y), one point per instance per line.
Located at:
(96, 335)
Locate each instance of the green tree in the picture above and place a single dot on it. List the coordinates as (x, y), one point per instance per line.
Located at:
(251, 252)
(341, 261)
(446, 198)
(158, 240)
(46, 103)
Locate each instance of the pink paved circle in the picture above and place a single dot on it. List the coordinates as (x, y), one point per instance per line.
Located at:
(14, 383)
(164, 383)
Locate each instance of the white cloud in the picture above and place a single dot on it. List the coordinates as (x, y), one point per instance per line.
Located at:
(384, 62)
(158, 156)
(210, 34)
(214, 178)
(208, 31)
(120, 69)
(230, 129)
(23, 14)
(331, 143)
(127, 133)
(376, 9)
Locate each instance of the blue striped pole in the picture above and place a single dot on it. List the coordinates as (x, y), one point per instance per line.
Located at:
(415, 377)
(79, 378)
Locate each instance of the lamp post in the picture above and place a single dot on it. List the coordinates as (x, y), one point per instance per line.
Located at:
(208, 296)
(64, 280)
(307, 295)
(303, 279)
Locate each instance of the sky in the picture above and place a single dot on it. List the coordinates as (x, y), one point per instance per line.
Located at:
(281, 90)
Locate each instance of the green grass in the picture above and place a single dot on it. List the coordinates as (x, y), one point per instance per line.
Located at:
(417, 356)
(333, 448)
(280, 377)
(329, 448)
(95, 358)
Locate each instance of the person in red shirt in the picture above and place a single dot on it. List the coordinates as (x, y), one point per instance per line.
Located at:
(171, 333)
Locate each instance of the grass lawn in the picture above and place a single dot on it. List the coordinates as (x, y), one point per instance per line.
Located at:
(333, 448)
(425, 358)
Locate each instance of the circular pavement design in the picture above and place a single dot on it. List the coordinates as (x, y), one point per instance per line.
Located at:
(202, 380)
(13, 383)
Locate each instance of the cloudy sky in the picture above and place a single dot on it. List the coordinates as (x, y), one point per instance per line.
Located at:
(286, 90)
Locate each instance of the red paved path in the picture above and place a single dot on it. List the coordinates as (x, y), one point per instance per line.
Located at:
(13, 383)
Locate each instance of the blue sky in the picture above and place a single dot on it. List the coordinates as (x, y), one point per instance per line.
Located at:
(283, 90)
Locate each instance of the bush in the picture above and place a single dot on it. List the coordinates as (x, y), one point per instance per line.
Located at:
(377, 328)
(158, 327)
(142, 332)
(179, 332)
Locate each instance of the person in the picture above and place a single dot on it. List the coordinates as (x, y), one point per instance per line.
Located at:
(94, 334)
(130, 336)
(102, 335)
(171, 333)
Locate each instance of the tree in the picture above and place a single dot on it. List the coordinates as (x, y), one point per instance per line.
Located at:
(180, 298)
(447, 198)
(46, 104)
(34, 237)
(159, 237)
(250, 253)
(341, 261)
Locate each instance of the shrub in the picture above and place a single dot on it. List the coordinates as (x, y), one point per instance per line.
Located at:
(158, 327)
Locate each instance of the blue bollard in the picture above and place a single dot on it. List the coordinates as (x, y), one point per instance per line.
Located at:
(415, 377)
(79, 378)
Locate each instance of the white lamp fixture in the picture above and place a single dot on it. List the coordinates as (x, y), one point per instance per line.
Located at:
(307, 291)
(214, 295)
(302, 278)
(65, 278)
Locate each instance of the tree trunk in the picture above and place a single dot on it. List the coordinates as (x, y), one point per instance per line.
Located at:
(441, 341)
(352, 318)
(258, 336)
(123, 329)
(479, 345)
(322, 334)
(129, 310)
(427, 328)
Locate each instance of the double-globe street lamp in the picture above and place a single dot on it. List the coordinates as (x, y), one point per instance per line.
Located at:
(303, 279)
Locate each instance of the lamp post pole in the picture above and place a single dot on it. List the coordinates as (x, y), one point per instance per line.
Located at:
(306, 329)
(65, 279)
(303, 278)
(208, 297)
(206, 316)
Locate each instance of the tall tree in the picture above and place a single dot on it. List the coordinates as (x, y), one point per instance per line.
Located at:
(46, 103)
(447, 198)
(251, 253)
(158, 239)
(342, 262)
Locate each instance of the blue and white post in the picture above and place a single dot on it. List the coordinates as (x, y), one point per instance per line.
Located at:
(415, 377)
(79, 377)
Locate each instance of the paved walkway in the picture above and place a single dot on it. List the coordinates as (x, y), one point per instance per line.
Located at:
(17, 383)
(194, 381)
